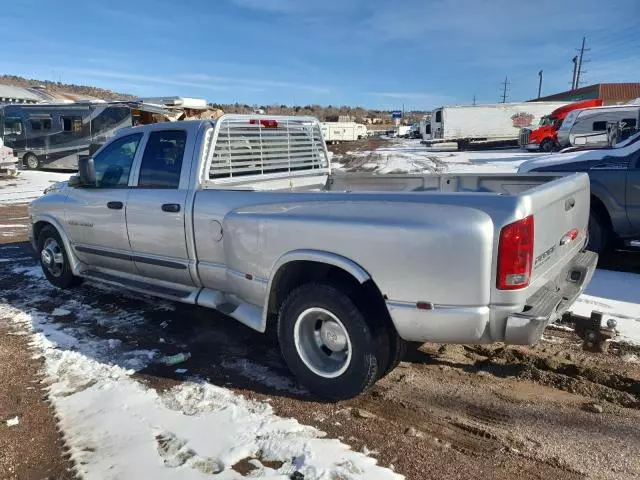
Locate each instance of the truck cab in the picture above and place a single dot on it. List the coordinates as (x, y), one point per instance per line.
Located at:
(545, 137)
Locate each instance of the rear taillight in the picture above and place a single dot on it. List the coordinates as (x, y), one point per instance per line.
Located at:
(515, 254)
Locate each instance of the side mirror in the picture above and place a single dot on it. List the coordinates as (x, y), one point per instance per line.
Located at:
(87, 171)
(74, 181)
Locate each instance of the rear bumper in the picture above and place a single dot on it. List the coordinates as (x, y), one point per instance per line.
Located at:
(521, 325)
(551, 301)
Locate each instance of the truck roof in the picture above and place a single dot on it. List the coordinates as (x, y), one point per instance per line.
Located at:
(562, 111)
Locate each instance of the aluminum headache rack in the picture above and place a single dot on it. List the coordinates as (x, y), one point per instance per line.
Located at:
(265, 145)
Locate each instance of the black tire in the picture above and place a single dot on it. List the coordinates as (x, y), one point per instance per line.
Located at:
(65, 278)
(363, 368)
(392, 349)
(31, 161)
(598, 234)
(547, 145)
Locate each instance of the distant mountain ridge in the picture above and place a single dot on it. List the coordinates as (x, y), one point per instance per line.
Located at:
(96, 92)
(330, 112)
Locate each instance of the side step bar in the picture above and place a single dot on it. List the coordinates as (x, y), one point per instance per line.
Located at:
(248, 314)
(187, 295)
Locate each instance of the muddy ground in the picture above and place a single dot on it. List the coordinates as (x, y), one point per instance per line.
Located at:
(549, 411)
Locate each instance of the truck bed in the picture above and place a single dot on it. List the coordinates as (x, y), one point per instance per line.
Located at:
(469, 183)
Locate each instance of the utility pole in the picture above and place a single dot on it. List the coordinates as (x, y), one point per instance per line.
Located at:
(474, 99)
(504, 90)
(575, 72)
(540, 83)
(582, 50)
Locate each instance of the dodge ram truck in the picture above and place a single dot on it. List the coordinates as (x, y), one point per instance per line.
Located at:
(244, 215)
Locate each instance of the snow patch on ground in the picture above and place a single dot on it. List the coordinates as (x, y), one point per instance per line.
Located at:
(28, 185)
(118, 428)
(263, 374)
(617, 296)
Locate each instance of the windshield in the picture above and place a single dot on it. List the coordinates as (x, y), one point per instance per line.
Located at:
(547, 120)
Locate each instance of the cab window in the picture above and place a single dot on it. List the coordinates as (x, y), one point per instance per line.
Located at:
(162, 161)
(113, 164)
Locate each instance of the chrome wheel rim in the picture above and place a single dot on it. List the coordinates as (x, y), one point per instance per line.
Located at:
(52, 257)
(322, 342)
(32, 162)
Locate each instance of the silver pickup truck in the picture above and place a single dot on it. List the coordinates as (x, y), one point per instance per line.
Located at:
(244, 215)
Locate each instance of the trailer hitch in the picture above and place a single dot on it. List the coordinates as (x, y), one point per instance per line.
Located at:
(595, 337)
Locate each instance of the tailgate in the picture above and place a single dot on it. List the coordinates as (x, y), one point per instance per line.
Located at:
(559, 209)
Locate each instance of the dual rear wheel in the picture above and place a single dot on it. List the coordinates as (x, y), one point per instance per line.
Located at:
(332, 344)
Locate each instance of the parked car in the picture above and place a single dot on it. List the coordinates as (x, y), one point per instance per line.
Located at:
(244, 215)
(589, 126)
(614, 172)
(545, 137)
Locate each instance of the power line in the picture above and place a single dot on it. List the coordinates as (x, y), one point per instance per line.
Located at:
(504, 89)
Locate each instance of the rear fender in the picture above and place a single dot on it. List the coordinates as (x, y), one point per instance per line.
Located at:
(349, 266)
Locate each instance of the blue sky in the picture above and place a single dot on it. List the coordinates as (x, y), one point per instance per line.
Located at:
(375, 53)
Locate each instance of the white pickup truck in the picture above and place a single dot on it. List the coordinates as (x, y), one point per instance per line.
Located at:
(244, 215)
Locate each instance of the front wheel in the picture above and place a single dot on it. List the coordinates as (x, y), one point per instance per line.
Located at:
(31, 161)
(327, 343)
(55, 260)
(547, 145)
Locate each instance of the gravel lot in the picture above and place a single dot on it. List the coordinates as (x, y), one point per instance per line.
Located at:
(445, 412)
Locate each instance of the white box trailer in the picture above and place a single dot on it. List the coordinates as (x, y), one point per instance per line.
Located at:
(343, 131)
(489, 124)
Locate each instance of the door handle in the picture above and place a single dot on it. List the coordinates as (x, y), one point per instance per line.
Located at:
(115, 205)
(171, 207)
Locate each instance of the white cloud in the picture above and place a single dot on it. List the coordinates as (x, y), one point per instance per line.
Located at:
(256, 82)
(425, 100)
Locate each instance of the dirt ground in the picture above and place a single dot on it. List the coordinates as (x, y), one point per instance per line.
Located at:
(32, 449)
(464, 412)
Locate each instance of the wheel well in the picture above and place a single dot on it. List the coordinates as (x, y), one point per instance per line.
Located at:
(37, 228)
(599, 209)
(297, 273)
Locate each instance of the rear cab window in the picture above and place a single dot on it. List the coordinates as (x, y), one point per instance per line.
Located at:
(162, 160)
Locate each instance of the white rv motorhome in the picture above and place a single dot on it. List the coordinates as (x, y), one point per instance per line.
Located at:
(343, 131)
(588, 126)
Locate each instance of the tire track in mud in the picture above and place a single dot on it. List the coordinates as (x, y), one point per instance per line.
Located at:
(589, 381)
(478, 433)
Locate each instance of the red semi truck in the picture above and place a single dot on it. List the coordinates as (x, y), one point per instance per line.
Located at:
(545, 137)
